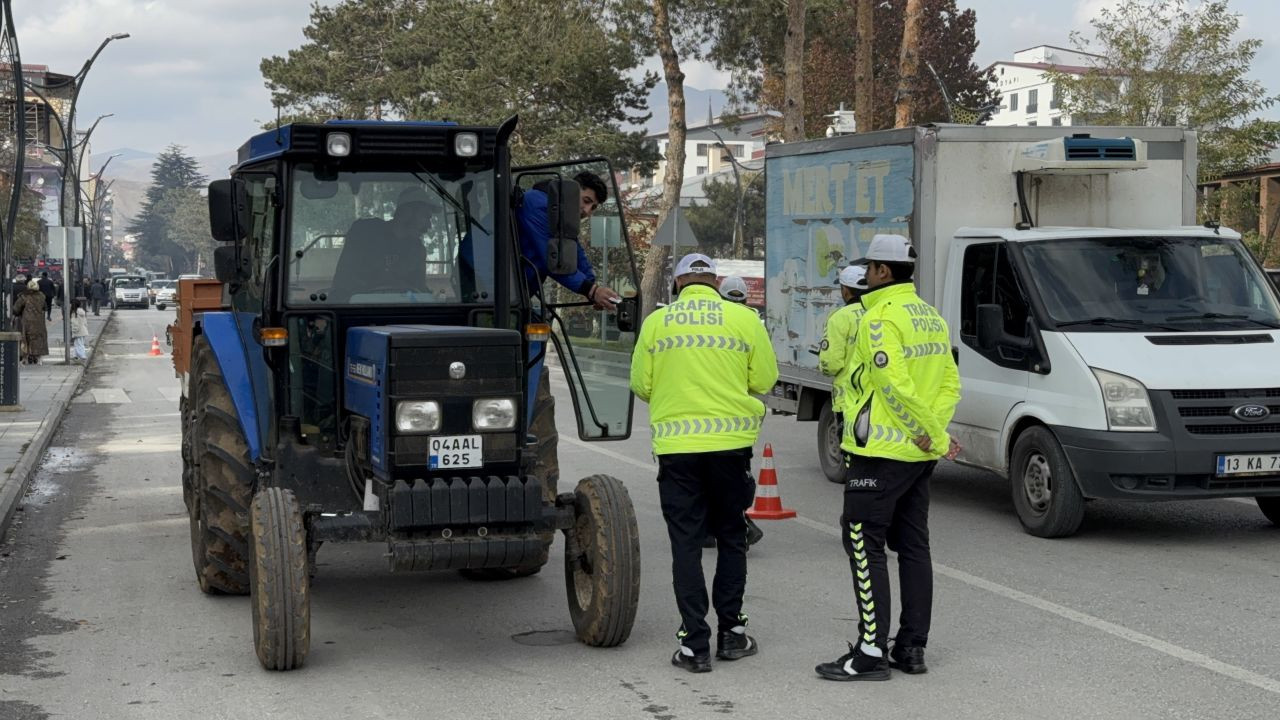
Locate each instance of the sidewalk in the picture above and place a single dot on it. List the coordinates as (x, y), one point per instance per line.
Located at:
(45, 393)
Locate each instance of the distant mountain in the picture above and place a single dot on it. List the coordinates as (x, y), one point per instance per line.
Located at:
(695, 100)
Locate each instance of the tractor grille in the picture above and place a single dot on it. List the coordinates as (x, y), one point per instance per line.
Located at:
(424, 372)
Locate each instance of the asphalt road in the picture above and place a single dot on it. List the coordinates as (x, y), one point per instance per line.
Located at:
(1152, 611)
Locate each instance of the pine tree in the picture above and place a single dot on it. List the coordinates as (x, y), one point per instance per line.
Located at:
(175, 176)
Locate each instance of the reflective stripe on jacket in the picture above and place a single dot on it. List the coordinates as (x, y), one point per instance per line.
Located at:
(837, 349)
(697, 362)
(905, 384)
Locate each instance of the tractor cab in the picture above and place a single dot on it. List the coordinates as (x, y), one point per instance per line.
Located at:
(380, 367)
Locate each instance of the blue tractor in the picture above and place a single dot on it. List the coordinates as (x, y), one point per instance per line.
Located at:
(376, 371)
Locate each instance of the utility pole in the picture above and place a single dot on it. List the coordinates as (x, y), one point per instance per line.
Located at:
(11, 81)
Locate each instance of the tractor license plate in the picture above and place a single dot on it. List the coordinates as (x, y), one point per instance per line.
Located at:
(1255, 464)
(456, 451)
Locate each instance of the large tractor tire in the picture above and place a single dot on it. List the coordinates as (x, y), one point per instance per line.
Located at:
(1045, 493)
(602, 562)
(547, 469)
(279, 581)
(830, 434)
(221, 484)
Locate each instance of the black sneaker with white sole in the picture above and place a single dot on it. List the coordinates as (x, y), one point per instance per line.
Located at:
(907, 658)
(855, 665)
(687, 660)
(736, 644)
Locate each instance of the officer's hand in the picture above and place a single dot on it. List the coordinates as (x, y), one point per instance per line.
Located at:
(604, 298)
(954, 449)
(924, 443)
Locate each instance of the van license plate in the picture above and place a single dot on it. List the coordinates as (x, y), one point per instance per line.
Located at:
(456, 451)
(1256, 464)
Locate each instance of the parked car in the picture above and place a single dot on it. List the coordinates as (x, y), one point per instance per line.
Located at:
(130, 290)
(164, 292)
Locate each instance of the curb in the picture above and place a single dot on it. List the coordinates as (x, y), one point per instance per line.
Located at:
(12, 492)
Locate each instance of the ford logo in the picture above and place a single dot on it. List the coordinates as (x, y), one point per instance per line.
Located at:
(1251, 412)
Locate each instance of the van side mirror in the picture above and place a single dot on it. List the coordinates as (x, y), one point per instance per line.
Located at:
(228, 209)
(563, 198)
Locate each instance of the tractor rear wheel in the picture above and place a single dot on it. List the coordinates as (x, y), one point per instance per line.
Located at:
(280, 587)
(547, 470)
(221, 482)
(602, 562)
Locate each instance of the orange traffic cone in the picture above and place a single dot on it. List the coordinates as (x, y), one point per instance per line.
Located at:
(768, 503)
(155, 347)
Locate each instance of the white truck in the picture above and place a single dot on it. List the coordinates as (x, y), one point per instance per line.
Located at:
(1108, 347)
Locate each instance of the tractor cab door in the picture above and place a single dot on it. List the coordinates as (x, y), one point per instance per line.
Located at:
(593, 347)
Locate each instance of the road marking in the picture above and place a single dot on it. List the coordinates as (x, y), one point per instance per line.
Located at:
(109, 395)
(172, 393)
(129, 527)
(1262, 682)
(148, 416)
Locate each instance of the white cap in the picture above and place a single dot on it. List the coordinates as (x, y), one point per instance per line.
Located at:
(695, 264)
(889, 248)
(854, 276)
(734, 289)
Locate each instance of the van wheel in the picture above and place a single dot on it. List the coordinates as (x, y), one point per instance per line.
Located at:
(1270, 506)
(830, 456)
(1045, 493)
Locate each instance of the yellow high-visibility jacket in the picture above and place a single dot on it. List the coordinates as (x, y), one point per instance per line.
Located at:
(837, 349)
(906, 383)
(697, 363)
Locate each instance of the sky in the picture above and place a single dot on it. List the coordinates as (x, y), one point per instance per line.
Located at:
(189, 72)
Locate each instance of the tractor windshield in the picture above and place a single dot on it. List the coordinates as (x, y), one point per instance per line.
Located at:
(390, 238)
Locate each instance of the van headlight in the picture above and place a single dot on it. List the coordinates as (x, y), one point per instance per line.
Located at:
(417, 416)
(1127, 404)
(493, 414)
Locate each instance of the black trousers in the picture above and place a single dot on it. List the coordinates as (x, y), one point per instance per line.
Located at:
(887, 502)
(705, 494)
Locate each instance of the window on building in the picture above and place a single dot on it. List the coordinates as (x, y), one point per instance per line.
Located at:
(1033, 97)
(701, 170)
(701, 150)
(1057, 120)
(1055, 101)
(738, 150)
(1013, 101)
(1031, 123)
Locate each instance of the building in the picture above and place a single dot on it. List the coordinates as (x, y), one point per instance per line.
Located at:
(703, 154)
(1027, 97)
(1260, 216)
(42, 169)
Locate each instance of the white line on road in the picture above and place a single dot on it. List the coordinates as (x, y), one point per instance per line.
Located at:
(129, 527)
(109, 395)
(1249, 677)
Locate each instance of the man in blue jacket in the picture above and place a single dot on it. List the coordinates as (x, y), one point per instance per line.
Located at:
(535, 233)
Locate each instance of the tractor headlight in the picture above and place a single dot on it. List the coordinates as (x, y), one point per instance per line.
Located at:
(466, 144)
(493, 414)
(338, 144)
(417, 416)
(1126, 402)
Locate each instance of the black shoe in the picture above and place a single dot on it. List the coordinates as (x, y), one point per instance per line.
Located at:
(732, 645)
(754, 533)
(854, 665)
(692, 663)
(908, 659)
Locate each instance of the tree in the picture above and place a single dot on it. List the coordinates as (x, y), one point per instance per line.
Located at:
(793, 73)
(864, 70)
(714, 220)
(1165, 62)
(160, 224)
(557, 65)
(28, 231)
(908, 63)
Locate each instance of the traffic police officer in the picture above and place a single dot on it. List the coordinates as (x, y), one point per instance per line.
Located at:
(697, 363)
(835, 354)
(902, 396)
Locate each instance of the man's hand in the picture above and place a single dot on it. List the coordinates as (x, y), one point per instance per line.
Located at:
(604, 298)
(954, 449)
(924, 443)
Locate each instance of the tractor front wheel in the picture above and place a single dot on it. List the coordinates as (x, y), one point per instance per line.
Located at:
(280, 589)
(602, 562)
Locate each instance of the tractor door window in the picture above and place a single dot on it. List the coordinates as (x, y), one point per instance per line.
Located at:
(313, 379)
(260, 240)
(593, 346)
(390, 238)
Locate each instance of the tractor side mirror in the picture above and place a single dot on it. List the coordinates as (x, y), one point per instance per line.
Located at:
(563, 197)
(628, 311)
(228, 210)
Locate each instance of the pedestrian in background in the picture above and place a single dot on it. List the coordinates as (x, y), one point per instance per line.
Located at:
(79, 330)
(30, 309)
(50, 290)
(902, 396)
(19, 286)
(98, 294)
(697, 363)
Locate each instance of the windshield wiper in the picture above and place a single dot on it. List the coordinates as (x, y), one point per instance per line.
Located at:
(1223, 316)
(1102, 321)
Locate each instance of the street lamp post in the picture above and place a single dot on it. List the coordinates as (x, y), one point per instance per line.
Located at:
(737, 180)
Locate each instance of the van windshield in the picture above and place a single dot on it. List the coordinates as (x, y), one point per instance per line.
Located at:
(390, 238)
(130, 282)
(1151, 283)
